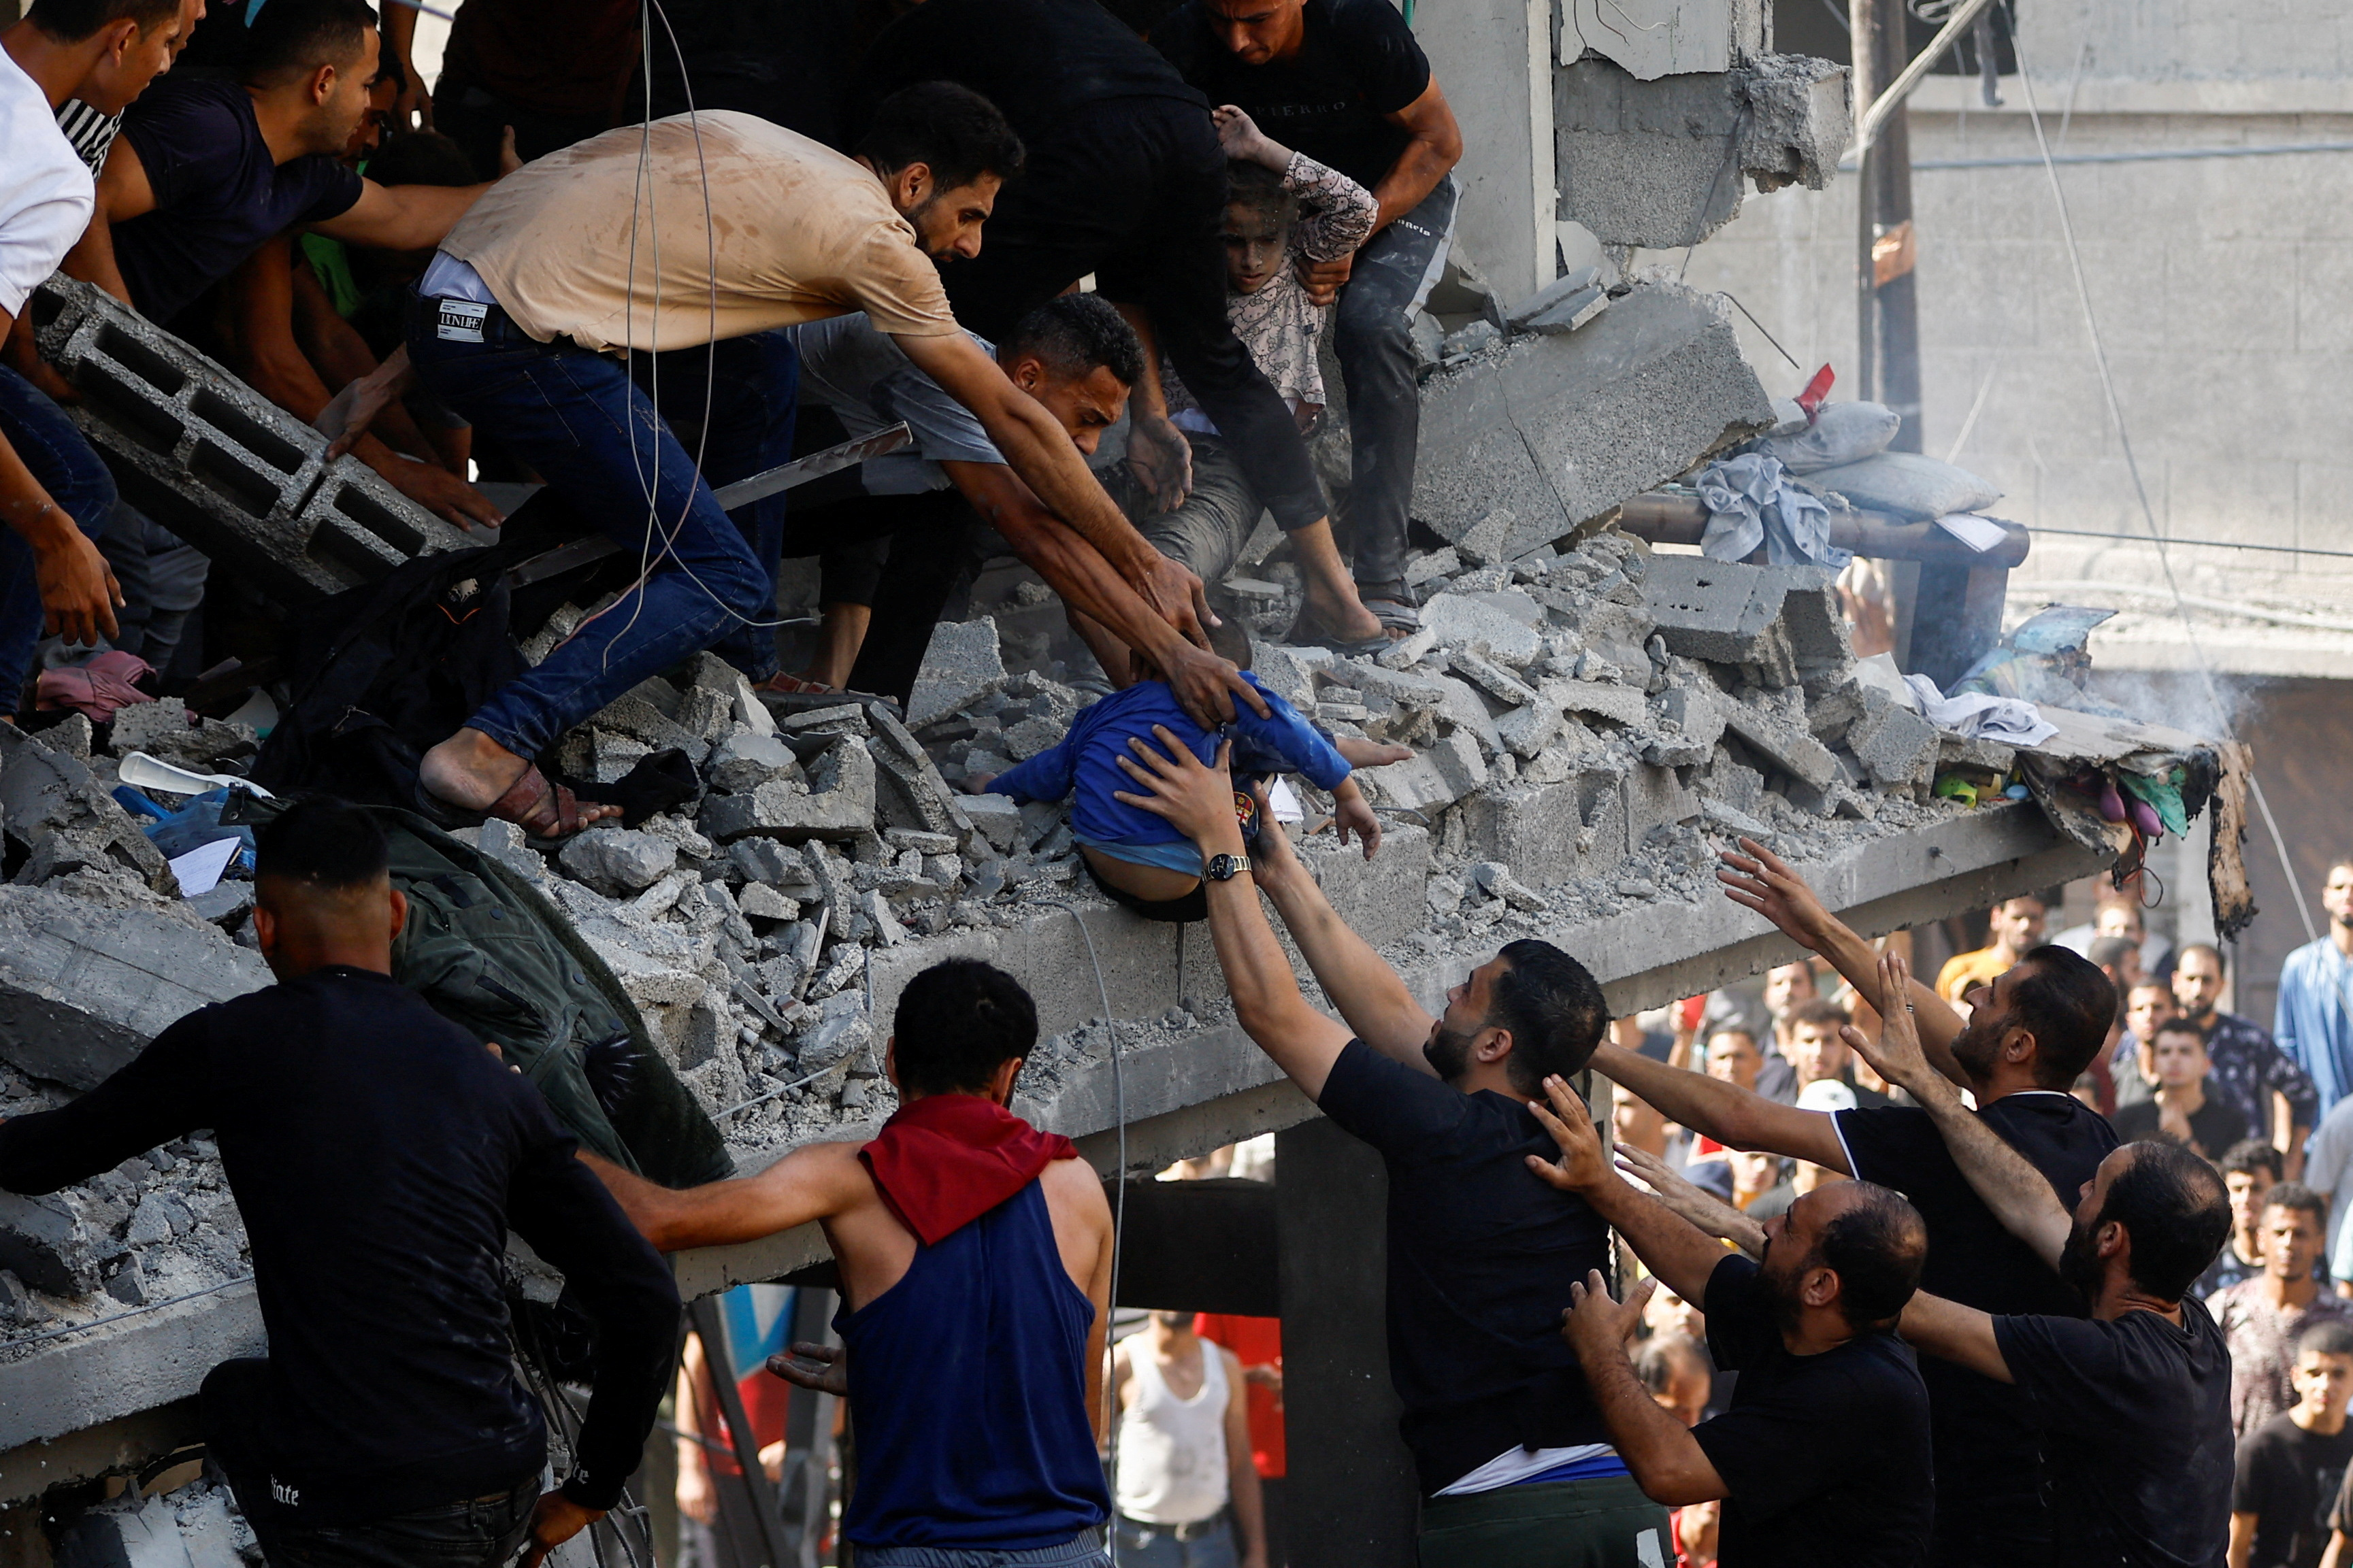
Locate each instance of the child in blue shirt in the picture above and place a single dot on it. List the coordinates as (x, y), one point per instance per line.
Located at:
(1138, 859)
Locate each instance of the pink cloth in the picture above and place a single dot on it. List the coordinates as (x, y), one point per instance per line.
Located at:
(97, 687)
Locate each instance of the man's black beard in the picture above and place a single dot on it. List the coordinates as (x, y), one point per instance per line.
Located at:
(2079, 1262)
(1448, 1052)
(1977, 1047)
(1781, 1293)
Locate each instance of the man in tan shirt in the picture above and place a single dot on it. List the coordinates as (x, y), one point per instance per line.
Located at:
(644, 276)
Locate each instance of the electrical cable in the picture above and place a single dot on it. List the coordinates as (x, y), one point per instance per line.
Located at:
(2132, 465)
(2202, 543)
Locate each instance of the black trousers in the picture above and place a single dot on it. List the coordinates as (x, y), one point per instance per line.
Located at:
(477, 1532)
(1133, 191)
(902, 555)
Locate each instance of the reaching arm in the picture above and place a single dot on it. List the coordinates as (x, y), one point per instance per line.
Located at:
(1158, 454)
(1703, 1209)
(1724, 1112)
(1681, 1255)
(1761, 881)
(1205, 684)
(1954, 1332)
(810, 1184)
(401, 217)
(1666, 1460)
(124, 193)
(1200, 802)
(399, 23)
(2015, 1191)
(1039, 450)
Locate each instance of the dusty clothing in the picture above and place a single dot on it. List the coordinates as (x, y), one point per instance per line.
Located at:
(801, 232)
(2263, 1338)
(1278, 324)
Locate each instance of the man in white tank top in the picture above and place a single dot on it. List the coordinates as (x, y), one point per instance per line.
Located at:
(1186, 1487)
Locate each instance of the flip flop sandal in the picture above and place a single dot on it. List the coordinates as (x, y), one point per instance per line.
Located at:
(1400, 618)
(1304, 634)
(793, 686)
(531, 803)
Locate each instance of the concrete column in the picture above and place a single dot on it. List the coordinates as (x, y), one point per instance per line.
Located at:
(1352, 1496)
(1493, 58)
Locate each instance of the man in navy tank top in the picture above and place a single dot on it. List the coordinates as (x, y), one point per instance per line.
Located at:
(976, 1280)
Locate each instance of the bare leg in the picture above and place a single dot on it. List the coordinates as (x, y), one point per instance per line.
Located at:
(1333, 606)
(471, 771)
(839, 640)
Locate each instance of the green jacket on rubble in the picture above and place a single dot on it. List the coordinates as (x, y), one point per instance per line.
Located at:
(492, 955)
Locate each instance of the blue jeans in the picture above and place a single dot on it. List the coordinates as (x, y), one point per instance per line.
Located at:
(1084, 1550)
(75, 479)
(605, 443)
(1143, 1545)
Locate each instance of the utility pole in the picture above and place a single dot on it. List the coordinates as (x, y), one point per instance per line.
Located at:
(1887, 316)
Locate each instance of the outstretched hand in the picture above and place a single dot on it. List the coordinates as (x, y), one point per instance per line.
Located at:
(555, 1520)
(1896, 1054)
(1351, 813)
(1596, 1325)
(1761, 881)
(1582, 1167)
(1195, 799)
(822, 1368)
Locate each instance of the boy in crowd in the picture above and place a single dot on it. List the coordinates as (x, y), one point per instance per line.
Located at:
(1135, 856)
(2291, 1467)
(2251, 1168)
(2147, 1005)
(2262, 1319)
(2181, 1109)
(1284, 211)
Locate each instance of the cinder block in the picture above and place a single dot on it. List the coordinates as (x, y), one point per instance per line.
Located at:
(219, 464)
(1381, 899)
(962, 665)
(1720, 611)
(1895, 745)
(1551, 833)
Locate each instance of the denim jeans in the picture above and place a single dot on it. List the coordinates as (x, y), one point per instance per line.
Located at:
(1084, 1550)
(602, 440)
(1372, 334)
(75, 479)
(1143, 1545)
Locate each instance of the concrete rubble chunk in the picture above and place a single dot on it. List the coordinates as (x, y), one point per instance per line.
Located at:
(49, 1242)
(1895, 745)
(1732, 819)
(1560, 429)
(53, 806)
(1720, 611)
(744, 762)
(837, 804)
(1483, 543)
(1618, 704)
(1460, 621)
(998, 818)
(617, 861)
(84, 988)
(1495, 879)
(1791, 750)
(1525, 732)
(962, 665)
(1491, 678)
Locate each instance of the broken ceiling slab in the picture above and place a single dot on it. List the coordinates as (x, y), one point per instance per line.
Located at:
(1558, 430)
(1660, 162)
(1675, 37)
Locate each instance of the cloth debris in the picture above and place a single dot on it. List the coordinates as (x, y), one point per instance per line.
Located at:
(1750, 502)
(2011, 721)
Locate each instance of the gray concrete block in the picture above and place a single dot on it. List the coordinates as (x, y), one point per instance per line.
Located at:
(54, 808)
(1461, 621)
(1720, 611)
(1558, 430)
(998, 817)
(1550, 834)
(745, 761)
(962, 665)
(84, 988)
(1381, 899)
(217, 463)
(619, 861)
(1527, 731)
(1785, 747)
(1618, 704)
(1491, 678)
(49, 1244)
(837, 804)
(1655, 797)
(1812, 618)
(1895, 745)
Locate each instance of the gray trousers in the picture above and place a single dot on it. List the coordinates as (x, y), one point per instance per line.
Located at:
(1207, 535)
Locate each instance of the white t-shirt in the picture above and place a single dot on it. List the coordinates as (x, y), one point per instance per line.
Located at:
(45, 193)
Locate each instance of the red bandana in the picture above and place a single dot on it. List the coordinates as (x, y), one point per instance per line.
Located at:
(946, 1160)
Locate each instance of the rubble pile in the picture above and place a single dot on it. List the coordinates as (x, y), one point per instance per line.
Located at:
(1589, 725)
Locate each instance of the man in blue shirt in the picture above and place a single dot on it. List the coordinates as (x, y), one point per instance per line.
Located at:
(2315, 1024)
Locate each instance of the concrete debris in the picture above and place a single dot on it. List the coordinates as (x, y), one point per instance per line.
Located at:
(962, 665)
(616, 861)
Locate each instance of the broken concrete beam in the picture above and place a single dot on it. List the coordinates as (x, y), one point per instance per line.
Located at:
(1659, 163)
(221, 466)
(1558, 430)
(962, 665)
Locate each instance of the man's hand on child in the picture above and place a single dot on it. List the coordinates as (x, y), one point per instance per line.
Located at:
(1197, 800)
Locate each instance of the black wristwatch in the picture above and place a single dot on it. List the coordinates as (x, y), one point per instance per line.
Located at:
(1224, 867)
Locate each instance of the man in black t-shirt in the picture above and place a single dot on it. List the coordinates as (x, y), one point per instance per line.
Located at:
(2291, 1469)
(1346, 82)
(2032, 1031)
(379, 1157)
(2135, 1401)
(1823, 1456)
(1511, 1456)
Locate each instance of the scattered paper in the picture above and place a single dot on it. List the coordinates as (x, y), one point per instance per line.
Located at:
(1979, 534)
(1283, 804)
(200, 868)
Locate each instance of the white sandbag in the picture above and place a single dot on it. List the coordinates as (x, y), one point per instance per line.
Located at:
(1841, 433)
(1910, 486)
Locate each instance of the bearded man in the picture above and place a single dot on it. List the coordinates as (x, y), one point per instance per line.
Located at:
(2031, 1032)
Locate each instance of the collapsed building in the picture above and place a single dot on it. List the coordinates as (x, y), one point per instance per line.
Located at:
(1593, 718)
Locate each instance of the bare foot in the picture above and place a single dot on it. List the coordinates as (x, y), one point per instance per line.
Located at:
(1340, 616)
